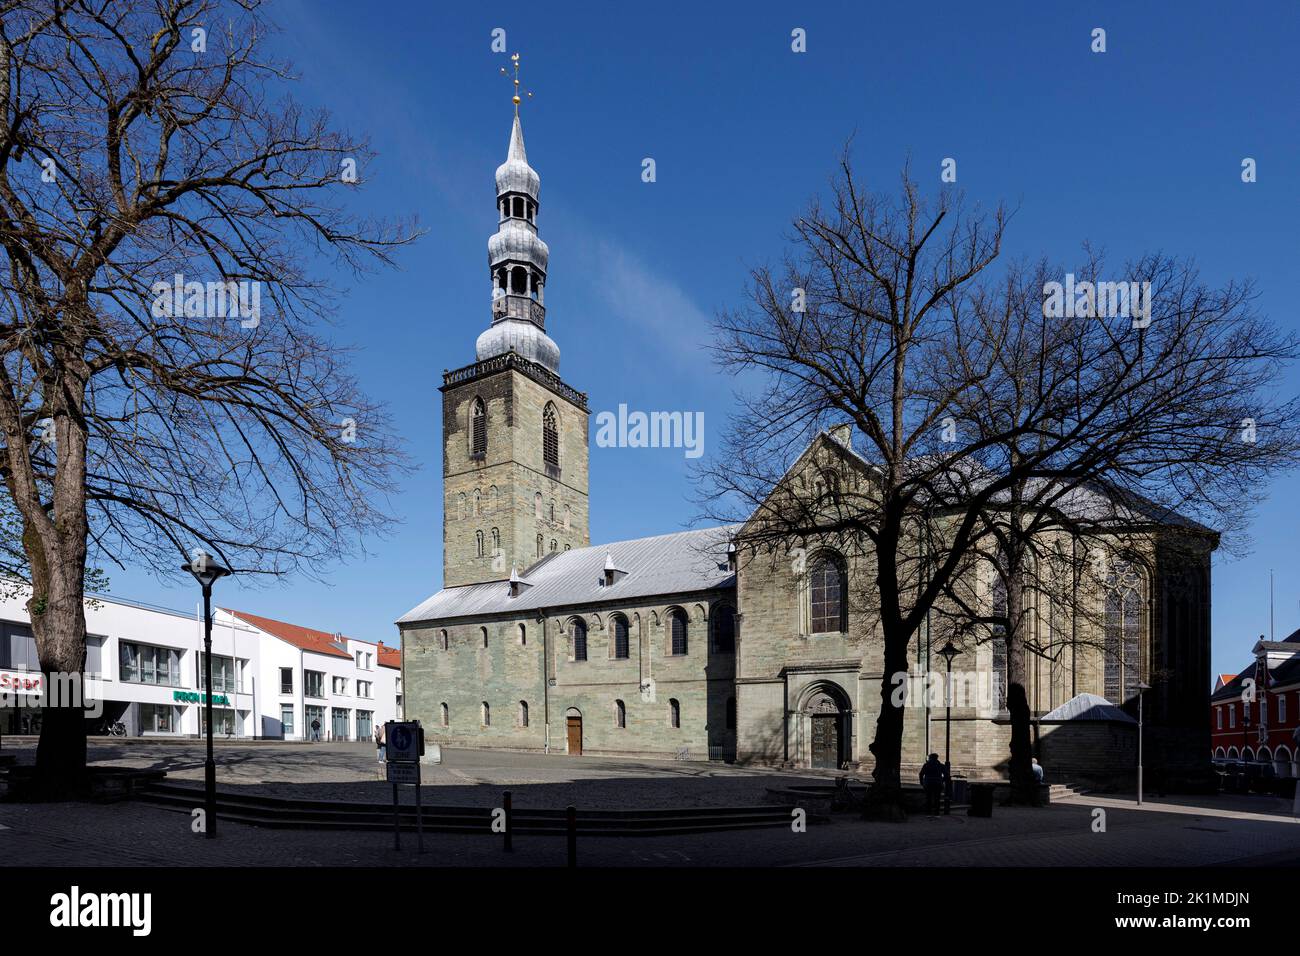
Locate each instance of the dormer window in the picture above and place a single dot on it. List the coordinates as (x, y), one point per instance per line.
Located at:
(612, 571)
(517, 587)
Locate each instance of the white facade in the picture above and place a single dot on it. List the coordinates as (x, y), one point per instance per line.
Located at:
(144, 670)
(352, 694)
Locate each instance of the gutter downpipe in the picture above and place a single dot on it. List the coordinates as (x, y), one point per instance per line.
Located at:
(546, 686)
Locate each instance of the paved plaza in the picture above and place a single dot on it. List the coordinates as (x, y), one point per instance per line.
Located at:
(1223, 830)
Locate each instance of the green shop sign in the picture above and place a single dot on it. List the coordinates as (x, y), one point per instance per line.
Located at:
(193, 697)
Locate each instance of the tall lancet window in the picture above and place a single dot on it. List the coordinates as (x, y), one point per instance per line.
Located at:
(999, 643)
(550, 436)
(478, 428)
(1125, 600)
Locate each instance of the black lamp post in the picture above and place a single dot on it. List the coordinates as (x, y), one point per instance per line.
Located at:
(1141, 688)
(206, 571)
(948, 652)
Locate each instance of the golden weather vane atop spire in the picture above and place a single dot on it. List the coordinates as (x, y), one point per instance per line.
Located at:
(514, 57)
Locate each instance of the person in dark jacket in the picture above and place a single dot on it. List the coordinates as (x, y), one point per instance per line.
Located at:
(933, 777)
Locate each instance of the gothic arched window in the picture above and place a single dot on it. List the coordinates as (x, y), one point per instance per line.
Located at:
(999, 642)
(478, 543)
(478, 428)
(620, 638)
(446, 716)
(487, 715)
(674, 714)
(826, 597)
(1125, 602)
(620, 714)
(523, 713)
(550, 436)
(539, 545)
(496, 542)
(678, 629)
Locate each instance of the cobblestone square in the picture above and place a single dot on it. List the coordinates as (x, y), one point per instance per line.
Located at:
(1173, 832)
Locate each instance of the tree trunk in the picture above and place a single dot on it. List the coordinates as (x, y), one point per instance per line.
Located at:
(885, 800)
(56, 551)
(58, 618)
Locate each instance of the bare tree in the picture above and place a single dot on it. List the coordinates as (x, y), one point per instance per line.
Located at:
(1155, 419)
(984, 416)
(843, 333)
(173, 228)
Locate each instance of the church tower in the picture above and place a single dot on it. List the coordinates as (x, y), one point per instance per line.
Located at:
(514, 434)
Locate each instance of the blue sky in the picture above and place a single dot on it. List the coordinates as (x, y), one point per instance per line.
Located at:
(1137, 149)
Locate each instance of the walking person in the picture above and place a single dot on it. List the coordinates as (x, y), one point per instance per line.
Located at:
(381, 747)
(315, 729)
(933, 777)
(1038, 770)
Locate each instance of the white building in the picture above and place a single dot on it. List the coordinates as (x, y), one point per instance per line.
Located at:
(345, 685)
(144, 668)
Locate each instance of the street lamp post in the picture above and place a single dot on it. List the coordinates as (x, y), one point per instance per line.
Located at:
(1141, 688)
(206, 571)
(948, 653)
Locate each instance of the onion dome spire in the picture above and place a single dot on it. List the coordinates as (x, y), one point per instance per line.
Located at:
(517, 259)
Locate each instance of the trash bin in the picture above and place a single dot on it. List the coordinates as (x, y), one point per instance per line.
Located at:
(981, 800)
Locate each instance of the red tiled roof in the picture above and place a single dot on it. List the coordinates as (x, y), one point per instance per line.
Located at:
(390, 656)
(308, 639)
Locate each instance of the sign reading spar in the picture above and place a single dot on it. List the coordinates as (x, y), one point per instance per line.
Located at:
(17, 682)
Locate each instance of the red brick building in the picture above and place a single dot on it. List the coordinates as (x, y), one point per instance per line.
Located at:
(1255, 715)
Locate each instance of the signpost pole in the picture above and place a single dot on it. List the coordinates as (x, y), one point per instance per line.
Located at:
(397, 822)
(404, 747)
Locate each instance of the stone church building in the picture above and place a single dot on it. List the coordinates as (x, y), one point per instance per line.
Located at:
(678, 645)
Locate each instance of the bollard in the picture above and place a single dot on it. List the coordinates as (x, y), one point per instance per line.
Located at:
(505, 804)
(571, 829)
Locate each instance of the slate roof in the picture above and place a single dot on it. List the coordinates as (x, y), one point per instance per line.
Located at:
(1088, 707)
(1092, 501)
(677, 563)
(1231, 690)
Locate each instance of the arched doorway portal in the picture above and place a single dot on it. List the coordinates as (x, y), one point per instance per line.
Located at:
(830, 730)
(573, 730)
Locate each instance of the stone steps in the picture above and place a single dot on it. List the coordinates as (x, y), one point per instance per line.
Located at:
(275, 812)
